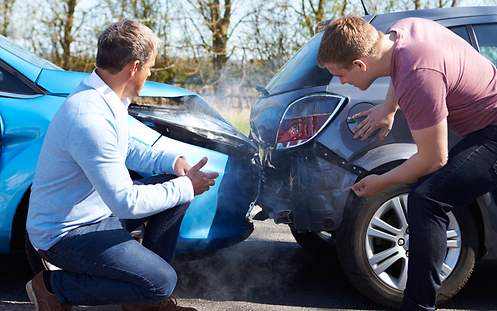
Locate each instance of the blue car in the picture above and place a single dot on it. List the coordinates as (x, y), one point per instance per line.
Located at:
(31, 91)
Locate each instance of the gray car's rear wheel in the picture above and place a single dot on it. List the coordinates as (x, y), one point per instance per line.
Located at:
(373, 245)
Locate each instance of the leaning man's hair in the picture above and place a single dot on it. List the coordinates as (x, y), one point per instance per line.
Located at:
(123, 42)
(346, 39)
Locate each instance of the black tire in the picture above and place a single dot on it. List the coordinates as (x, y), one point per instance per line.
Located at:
(351, 252)
(316, 243)
(32, 256)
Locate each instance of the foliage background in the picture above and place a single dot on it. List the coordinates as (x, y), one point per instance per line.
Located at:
(219, 48)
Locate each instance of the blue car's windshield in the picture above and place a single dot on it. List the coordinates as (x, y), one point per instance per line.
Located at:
(25, 54)
(301, 70)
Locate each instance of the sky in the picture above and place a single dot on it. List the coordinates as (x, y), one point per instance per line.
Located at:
(28, 12)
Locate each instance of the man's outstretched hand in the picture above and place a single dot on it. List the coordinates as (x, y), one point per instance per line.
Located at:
(201, 181)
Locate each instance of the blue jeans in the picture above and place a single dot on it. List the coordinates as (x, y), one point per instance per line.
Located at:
(102, 264)
(469, 173)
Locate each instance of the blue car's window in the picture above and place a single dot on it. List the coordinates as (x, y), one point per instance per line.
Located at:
(26, 55)
(12, 85)
(301, 70)
(487, 40)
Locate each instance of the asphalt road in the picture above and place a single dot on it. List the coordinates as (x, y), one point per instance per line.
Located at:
(268, 271)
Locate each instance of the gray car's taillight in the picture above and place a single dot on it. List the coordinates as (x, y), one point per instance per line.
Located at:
(305, 118)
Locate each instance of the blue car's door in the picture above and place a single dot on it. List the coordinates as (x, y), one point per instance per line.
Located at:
(25, 113)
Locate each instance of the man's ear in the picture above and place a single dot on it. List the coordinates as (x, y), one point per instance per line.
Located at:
(361, 64)
(134, 67)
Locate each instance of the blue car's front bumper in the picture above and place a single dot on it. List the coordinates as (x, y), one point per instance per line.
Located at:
(218, 217)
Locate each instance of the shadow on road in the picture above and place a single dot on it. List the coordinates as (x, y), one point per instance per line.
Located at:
(274, 273)
(269, 272)
(282, 273)
(14, 273)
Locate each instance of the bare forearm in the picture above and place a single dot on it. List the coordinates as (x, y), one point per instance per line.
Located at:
(412, 169)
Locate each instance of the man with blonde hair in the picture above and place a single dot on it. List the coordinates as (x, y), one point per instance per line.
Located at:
(83, 203)
(438, 81)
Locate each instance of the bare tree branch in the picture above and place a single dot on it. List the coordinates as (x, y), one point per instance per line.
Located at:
(6, 13)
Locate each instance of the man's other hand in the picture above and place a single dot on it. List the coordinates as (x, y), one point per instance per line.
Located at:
(201, 181)
(370, 185)
(181, 167)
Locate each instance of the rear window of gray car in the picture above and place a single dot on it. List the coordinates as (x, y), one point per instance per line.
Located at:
(486, 35)
(462, 32)
(301, 70)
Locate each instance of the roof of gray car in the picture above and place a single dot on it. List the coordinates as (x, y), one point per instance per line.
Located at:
(383, 22)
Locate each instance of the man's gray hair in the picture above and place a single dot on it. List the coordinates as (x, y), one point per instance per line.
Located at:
(123, 42)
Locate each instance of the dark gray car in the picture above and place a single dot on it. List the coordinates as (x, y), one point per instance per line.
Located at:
(310, 160)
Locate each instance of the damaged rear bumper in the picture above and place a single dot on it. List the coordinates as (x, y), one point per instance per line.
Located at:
(307, 189)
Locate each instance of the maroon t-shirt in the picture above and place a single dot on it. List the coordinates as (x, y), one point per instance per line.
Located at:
(437, 75)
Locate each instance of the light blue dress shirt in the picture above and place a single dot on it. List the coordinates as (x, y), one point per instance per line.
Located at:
(82, 176)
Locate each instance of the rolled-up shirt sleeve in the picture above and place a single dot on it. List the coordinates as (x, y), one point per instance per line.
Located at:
(95, 149)
(143, 158)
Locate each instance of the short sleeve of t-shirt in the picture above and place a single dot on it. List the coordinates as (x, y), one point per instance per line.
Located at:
(421, 96)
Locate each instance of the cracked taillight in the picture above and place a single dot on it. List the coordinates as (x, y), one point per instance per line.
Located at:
(305, 118)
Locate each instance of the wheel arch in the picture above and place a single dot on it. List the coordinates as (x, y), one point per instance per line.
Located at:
(18, 232)
(385, 155)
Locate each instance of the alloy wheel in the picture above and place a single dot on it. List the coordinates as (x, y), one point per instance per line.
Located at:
(387, 243)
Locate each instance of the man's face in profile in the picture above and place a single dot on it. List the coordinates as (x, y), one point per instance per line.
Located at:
(356, 74)
(141, 75)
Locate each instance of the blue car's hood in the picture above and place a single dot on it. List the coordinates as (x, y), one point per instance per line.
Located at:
(60, 82)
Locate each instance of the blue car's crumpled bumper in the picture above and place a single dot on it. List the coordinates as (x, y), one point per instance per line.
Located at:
(217, 218)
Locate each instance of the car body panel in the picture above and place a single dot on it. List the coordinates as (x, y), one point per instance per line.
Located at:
(204, 227)
(63, 82)
(384, 21)
(59, 82)
(22, 138)
(385, 154)
(24, 62)
(25, 68)
(197, 225)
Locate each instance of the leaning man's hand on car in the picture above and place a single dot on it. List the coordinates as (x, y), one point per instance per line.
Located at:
(369, 186)
(377, 118)
(201, 181)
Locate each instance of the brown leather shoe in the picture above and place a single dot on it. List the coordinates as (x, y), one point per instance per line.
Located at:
(169, 304)
(40, 296)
